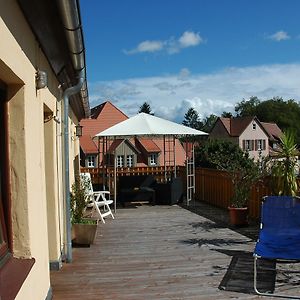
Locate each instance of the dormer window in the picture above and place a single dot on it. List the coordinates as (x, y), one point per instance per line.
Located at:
(153, 159)
(130, 161)
(120, 161)
(91, 161)
(253, 126)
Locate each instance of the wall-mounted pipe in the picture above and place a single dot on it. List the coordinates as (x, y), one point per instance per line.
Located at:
(66, 95)
(70, 14)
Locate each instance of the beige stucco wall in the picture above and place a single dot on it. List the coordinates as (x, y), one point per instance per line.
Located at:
(35, 152)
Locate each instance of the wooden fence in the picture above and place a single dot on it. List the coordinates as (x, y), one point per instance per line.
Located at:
(215, 187)
(211, 186)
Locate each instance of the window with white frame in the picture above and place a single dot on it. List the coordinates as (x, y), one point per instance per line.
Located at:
(120, 161)
(259, 145)
(130, 161)
(247, 145)
(253, 126)
(153, 159)
(91, 161)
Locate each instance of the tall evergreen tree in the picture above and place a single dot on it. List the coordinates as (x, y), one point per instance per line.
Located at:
(146, 108)
(191, 119)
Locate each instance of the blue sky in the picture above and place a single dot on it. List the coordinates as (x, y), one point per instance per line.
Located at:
(194, 53)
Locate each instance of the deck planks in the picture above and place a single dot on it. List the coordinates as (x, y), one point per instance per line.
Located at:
(152, 252)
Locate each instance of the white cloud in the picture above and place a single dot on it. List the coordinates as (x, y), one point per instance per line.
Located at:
(190, 39)
(146, 46)
(171, 45)
(170, 96)
(279, 36)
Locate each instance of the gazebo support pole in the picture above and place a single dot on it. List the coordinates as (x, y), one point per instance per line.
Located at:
(103, 164)
(174, 155)
(99, 161)
(115, 183)
(165, 165)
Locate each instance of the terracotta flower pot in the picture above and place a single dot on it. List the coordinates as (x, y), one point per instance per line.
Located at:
(238, 216)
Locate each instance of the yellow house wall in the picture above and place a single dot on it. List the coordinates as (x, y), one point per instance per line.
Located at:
(37, 195)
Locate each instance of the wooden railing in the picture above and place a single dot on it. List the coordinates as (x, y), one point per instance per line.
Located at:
(211, 186)
(99, 175)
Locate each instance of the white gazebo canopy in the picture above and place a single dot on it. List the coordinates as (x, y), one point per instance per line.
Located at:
(147, 125)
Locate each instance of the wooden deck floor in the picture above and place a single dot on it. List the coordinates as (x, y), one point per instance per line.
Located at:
(152, 252)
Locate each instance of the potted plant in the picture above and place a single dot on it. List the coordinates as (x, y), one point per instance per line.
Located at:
(244, 174)
(83, 229)
(242, 171)
(282, 167)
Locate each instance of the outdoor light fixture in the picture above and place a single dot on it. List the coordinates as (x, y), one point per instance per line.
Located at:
(41, 79)
(78, 130)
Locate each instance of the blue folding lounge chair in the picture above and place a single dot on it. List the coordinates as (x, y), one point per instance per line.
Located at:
(279, 235)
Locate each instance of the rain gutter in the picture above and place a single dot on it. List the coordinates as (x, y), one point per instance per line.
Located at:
(70, 14)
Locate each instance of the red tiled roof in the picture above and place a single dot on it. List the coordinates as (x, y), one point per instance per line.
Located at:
(273, 130)
(104, 115)
(226, 122)
(88, 145)
(95, 111)
(235, 126)
(149, 145)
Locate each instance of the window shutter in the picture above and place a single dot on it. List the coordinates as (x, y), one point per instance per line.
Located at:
(252, 145)
(263, 144)
(256, 145)
(244, 144)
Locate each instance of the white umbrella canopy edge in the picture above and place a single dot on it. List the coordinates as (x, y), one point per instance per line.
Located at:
(144, 124)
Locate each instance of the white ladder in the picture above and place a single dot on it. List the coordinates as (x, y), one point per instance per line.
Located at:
(190, 173)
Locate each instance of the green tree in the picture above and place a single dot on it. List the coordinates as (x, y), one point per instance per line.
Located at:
(146, 108)
(191, 119)
(247, 107)
(227, 156)
(226, 114)
(208, 123)
(283, 175)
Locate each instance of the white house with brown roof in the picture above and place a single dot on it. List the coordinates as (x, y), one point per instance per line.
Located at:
(249, 133)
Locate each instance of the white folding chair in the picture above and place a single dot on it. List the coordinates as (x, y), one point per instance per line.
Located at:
(98, 201)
